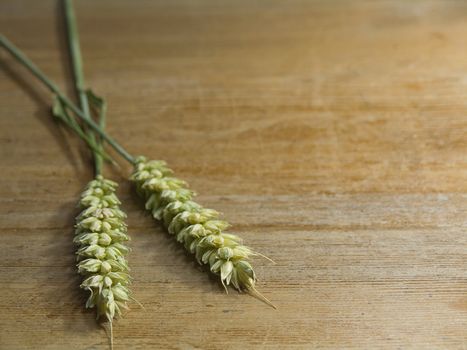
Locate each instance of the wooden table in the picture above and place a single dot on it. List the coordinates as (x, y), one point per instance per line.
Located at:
(331, 134)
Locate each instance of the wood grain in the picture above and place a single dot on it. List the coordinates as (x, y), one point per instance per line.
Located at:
(331, 134)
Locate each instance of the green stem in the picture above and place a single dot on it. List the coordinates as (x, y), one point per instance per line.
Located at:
(102, 114)
(73, 125)
(25, 61)
(77, 63)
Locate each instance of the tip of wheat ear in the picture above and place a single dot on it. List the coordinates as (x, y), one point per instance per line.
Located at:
(200, 230)
(100, 235)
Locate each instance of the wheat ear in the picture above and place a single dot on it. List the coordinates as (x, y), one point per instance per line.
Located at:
(101, 234)
(200, 230)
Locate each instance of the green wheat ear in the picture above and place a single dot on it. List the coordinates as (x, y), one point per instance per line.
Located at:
(100, 235)
(200, 230)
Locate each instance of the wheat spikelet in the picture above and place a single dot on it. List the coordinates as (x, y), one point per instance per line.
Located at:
(101, 234)
(199, 229)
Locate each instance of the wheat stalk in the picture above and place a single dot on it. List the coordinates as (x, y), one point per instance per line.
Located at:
(200, 230)
(100, 235)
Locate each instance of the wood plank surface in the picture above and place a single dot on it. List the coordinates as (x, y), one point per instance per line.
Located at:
(331, 134)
